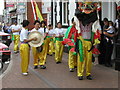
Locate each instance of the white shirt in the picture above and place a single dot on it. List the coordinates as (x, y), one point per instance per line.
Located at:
(59, 31)
(15, 27)
(34, 30)
(51, 32)
(86, 31)
(23, 34)
(111, 29)
(41, 30)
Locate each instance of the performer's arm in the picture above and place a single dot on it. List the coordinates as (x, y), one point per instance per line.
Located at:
(28, 40)
(15, 30)
(25, 36)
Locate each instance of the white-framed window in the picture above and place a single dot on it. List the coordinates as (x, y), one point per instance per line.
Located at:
(65, 13)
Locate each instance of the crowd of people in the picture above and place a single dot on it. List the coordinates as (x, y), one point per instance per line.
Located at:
(54, 41)
(109, 37)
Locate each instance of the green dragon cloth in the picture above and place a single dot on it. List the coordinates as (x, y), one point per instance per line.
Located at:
(81, 51)
(66, 35)
(12, 38)
(67, 32)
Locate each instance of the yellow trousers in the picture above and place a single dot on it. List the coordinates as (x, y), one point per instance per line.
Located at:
(51, 48)
(87, 63)
(47, 40)
(16, 42)
(58, 51)
(72, 60)
(24, 53)
(40, 57)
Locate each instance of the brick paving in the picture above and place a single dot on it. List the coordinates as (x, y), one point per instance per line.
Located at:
(57, 76)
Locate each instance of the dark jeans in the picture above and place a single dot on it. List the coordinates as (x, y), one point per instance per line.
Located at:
(108, 53)
(102, 49)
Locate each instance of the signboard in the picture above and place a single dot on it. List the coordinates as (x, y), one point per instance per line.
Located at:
(21, 4)
(9, 5)
(46, 7)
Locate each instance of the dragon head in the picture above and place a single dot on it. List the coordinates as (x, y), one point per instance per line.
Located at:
(87, 6)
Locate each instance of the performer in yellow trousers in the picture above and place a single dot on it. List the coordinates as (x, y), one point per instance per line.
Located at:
(87, 63)
(16, 29)
(59, 34)
(24, 48)
(40, 55)
(86, 41)
(70, 34)
(51, 33)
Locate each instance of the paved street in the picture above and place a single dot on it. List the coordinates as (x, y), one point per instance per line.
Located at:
(56, 76)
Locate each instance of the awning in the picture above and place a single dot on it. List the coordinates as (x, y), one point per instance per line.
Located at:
(14, 10)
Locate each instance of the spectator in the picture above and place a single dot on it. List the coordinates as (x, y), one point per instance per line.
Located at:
(16, 31)
(109, 34)
(117, 27)
(102, 46)
(6, 28)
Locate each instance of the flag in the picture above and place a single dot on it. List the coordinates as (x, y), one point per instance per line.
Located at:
(36, 11)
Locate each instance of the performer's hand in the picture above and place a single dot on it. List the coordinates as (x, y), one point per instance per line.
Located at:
(96, 42)
(34, 39)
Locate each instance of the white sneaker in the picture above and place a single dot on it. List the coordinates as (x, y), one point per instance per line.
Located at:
(15, 52)
(7, 62)
(25, 74)
(71, 70)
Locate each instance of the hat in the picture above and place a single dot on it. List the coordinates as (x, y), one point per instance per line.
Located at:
(39, 41)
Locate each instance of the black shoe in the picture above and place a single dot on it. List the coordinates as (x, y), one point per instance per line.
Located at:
(17, 51)
(110, 65)
(35, 67)
(80, 77)
(107, 65)
(71, 70)
(89, 77)
(58, 62)
(42, 67)
(75, 66)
